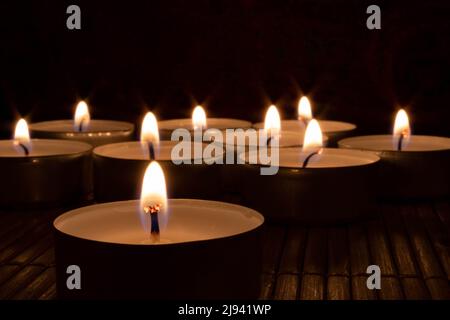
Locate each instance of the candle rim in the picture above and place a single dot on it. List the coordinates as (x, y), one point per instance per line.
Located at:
(167, 124)
(100, 150)
(298, 136)
(87, 149)
(323, 123)
(245, 211)
(127, 127)
(370, 157)
(344, 143)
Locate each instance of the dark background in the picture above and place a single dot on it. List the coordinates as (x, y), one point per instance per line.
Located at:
(234, 57)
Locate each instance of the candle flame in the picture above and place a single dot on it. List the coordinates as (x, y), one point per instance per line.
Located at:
(272, 122)
(304, 109)
(199, 118)
(149, 129)
(402, 130)
(313, 136)
(22, 136)
(82, 117)
(153, 194)
(401, 124)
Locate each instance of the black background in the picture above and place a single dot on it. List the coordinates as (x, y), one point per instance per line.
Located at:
(235, 57)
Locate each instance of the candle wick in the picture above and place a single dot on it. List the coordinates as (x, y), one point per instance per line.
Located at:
(308, 158)
(80, 128)
(25, 149)
(269, 139)
(154, 229)
(304, 120)
(151, 151)
(400, 142)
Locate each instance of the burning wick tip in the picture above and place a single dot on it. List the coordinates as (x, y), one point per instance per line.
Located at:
(151, 151)
(269, 139)
(400, 142)
(80, 127)
(25, 149)
(153, 211)
(308, 158)
(305, 121)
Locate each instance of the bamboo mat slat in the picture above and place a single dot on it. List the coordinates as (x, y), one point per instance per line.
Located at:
(286, 287)
(410, 243)
(359, 289)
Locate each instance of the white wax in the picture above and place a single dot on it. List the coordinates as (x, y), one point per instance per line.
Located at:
(95, 127)
(217, 123)
(329, 158)
(287, 139)
(189, 220)
(43, 148)
(326, 126)
(385, 143)
(135, 150)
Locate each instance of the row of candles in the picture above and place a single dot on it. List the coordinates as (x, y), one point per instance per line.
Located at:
(58, 168)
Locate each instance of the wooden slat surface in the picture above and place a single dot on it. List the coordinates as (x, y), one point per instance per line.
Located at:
(410, 243)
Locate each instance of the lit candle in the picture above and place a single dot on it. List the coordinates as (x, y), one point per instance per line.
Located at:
(334, 130)
(242, 140)
(313, 185)
(412, 166)
(117, 166)
(39, 173)
(236, 142)
(160, 248)
(83, 128)
(199, 121)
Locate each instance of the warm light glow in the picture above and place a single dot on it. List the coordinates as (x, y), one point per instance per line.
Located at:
(22, 136)
(304, 109)
(82, 117)
(149, 129)
(272, 122)
(402, 130)
(199, 118)
(313, 136)
(153, 193)
(401, 125)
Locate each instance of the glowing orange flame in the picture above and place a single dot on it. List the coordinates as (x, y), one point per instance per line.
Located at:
(199, 118)
(22, 136)
(153, 195)
(313, 136)
(272, 122)
(149, 129)
(82, 117)
(304, 109)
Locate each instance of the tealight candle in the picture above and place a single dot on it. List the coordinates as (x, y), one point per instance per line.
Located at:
(412, 166)
(244, 141)
(117, 166)
(83, 128)
(43, 173)
(314, 185)
(160, 248)
(272, 129)
(199, 121)
(334, 130)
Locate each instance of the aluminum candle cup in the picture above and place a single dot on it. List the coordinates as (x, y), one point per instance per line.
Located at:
(167, 126)
(232, 173)
(335, 187)
(98, 133)
(420, 170)
(55, 172)
(118, 166)
(209, 250)
(334, 130)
